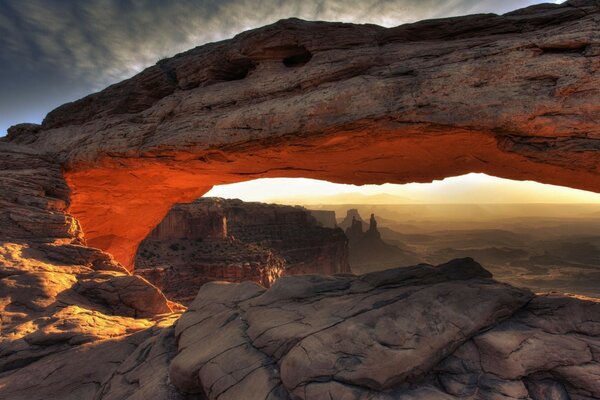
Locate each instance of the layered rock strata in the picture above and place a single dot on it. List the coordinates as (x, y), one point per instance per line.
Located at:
(56, 293)
(219, 239)
(180, 267)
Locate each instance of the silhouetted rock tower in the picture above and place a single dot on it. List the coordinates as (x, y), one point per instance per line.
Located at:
(373, 232)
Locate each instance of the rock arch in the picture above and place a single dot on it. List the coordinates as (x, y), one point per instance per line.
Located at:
(515, 96)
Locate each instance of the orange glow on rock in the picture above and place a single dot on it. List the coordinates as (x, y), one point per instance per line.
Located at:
(119, 201)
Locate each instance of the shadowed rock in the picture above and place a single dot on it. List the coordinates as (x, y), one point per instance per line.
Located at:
(422, 332)
(231, 240)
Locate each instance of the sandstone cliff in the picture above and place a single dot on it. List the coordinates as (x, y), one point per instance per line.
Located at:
(218, 239)
(326, 218)
(56, 293)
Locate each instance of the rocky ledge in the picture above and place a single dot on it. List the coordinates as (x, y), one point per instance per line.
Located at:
(421, 332)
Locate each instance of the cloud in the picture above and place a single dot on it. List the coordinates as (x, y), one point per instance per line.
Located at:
(82, 46)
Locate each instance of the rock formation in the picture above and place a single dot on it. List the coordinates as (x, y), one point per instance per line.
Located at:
(56, 293)
(514, 96)
(218, 239)
(368, 252)
(446, 332)
(351, 219)
(421, 332)
(180, 267)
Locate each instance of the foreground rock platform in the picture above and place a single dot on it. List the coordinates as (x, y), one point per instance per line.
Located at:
(515, 96)
(421, 332)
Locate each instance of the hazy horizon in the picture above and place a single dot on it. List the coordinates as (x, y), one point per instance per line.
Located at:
(471, 188)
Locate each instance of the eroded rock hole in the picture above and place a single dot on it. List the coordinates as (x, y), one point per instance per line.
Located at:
(299, 56)
(233, 70)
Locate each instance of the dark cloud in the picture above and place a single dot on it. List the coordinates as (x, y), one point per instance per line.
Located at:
(57, 51)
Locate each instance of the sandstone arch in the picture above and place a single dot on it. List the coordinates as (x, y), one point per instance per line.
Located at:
(516, 96)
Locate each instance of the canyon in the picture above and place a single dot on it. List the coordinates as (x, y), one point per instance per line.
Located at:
(224, 239)
(512, 95)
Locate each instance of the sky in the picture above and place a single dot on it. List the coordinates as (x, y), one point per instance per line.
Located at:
(472, 188)
(56, 51)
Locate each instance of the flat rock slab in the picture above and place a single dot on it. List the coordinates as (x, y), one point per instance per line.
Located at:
(422, 332)
(382, 335)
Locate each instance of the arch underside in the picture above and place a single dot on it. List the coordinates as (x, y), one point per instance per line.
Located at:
(120, 202)
(515, 96)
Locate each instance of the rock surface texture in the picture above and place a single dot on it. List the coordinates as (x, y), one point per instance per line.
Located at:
(422, 332)
(514, 96)
(58, 297)
(231, 240)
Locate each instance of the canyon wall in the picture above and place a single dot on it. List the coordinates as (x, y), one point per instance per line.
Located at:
(219, 239)
(514, 96)
(326, 218)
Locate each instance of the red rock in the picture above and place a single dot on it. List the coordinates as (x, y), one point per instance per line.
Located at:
(55, 292)
(514, 96)
(231, 240)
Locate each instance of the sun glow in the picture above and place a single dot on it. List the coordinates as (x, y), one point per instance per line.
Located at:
(466, 189)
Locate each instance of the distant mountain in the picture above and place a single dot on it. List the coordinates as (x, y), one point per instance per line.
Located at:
(347, 198)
